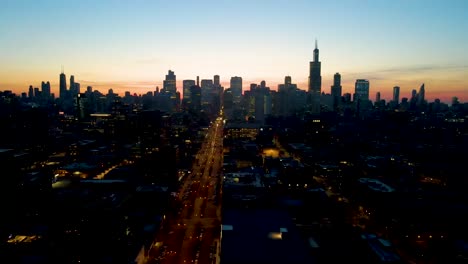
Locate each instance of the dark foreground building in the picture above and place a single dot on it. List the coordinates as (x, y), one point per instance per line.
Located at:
(261, 236)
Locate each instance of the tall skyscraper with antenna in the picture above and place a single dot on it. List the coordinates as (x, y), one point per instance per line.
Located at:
(315, 82)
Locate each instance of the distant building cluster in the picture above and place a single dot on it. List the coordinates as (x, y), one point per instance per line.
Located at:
(255, 104)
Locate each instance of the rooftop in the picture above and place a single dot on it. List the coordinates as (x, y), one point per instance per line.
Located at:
(261, 236)
(242, 179)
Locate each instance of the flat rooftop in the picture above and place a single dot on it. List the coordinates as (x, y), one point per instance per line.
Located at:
(261, 236)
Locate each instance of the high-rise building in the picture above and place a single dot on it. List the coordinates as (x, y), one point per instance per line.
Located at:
(72, 82)
(186, 84)
(45, 88)
(315, 82)
(63, 85)
(169, 84)
(74, 87)
(236, 88)
(31, 91)
(396, 94)
(228, 103)
(262, 101)
(217, 93)
(77, 88)
(37, 93)
(361, 90)
(171, 98)
(195, 98)
(286, 103)
(216, 80)
(206, 92)
(421, 94)
(206, 83)
(377, 97)
(336, 90)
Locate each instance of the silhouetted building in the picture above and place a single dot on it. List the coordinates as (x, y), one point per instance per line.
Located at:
(236, 88)
(72, 86)
(63, 85)
(228, 104)
(170, 97)
(37, 93)
(336, 90)
(195, 100)
(361, 90)
(288, 98)
(45, 88)
(169, 84)
(31, 92)
(421, 95)
(315, 82)
(262, 102)
(186, 84)
(396, 94)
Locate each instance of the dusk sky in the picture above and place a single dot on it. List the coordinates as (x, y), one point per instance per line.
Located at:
(130, 45)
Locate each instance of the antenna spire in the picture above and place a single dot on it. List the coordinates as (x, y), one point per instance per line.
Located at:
(316, 46)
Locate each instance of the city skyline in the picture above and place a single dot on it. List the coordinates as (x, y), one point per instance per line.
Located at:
(131, 46)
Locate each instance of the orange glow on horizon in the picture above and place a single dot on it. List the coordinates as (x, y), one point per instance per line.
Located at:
(435, 88)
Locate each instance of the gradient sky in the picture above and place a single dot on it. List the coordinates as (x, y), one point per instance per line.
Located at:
(130, 45)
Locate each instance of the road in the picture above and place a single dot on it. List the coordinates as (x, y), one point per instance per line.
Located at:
(192, 234)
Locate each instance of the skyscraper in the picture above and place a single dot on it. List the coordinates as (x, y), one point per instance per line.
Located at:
(228, 103)
(206, 92)
(77, 88)
(236, 88)
(361, 90)
(63, 85)
(186, 84)
(169, 84)
(31, 91)
(72, 82)
(315, 81)
(45, 88)
(336, 90)
(421, 95)
(414, 93)
(377, 97)
(262, 108)
(216, 80)
(287, 104)
(396, 94)
(74, 87)
(206, 84)
(195, 98)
